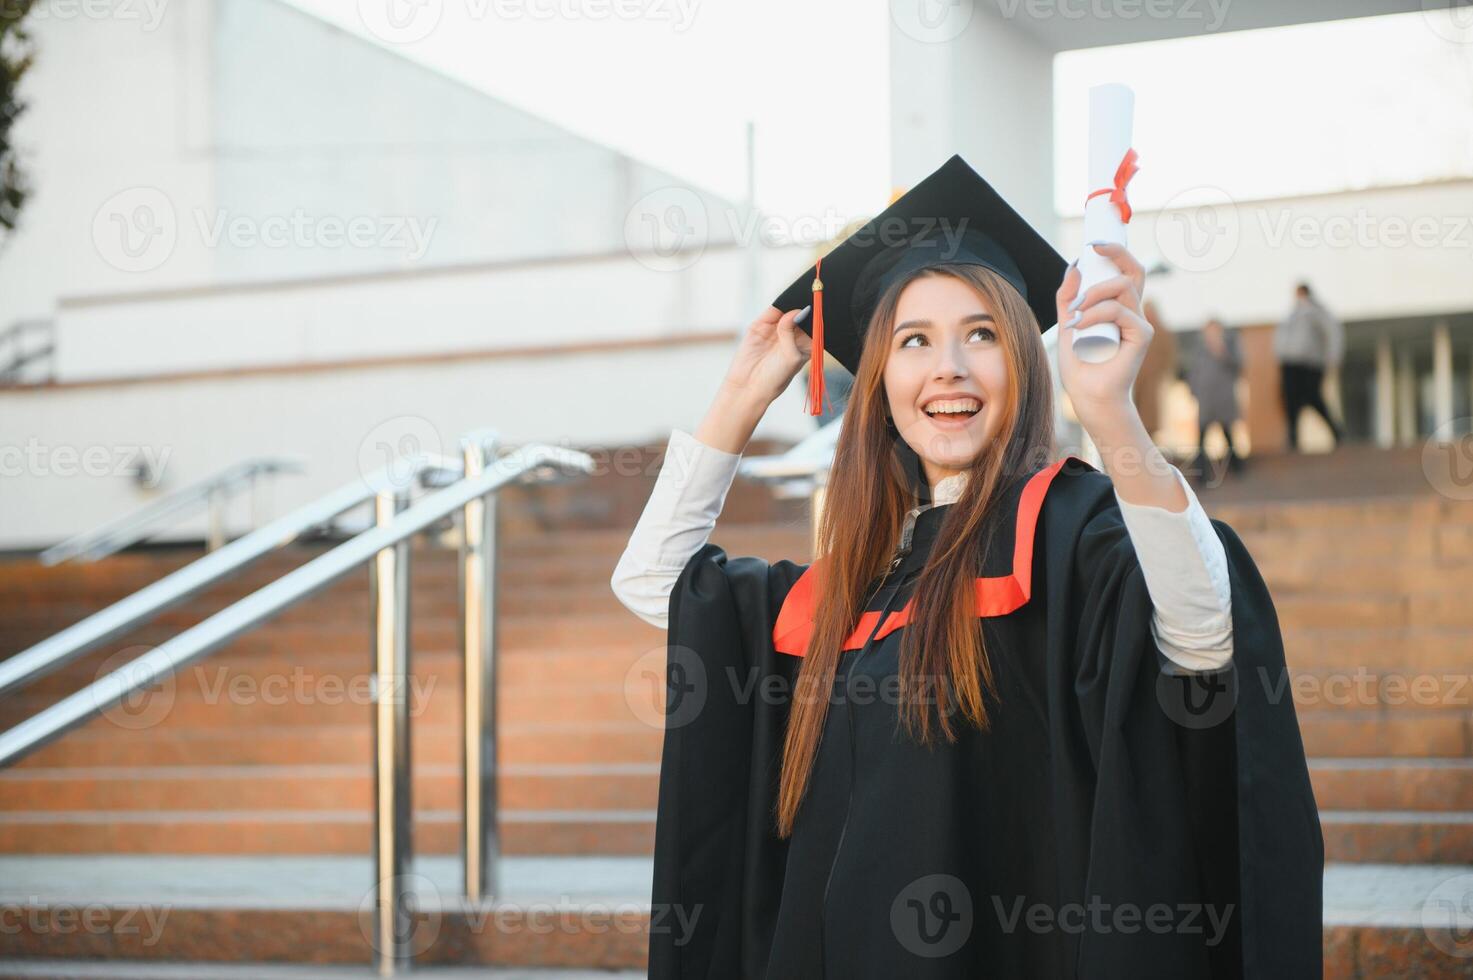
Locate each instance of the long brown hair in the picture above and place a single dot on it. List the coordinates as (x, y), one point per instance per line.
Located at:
(942, 657)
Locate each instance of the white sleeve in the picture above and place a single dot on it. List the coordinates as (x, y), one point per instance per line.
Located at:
(677, 520)
(1185, 568)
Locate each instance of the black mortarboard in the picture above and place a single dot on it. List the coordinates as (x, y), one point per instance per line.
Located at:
(953, 216)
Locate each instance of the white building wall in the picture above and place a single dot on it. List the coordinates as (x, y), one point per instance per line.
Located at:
(240, 140)
(1369, 254)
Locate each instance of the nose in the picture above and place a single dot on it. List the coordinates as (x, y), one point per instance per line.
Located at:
(950, 364)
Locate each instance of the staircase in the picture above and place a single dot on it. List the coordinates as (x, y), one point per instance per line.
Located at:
(257, 760)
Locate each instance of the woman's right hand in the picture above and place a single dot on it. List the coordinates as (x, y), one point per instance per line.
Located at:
(772, 351)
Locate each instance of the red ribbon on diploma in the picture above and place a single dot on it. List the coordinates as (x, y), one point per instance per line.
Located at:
(1123, 173)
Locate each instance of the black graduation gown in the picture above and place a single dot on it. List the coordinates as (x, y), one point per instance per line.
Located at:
(1118, 820)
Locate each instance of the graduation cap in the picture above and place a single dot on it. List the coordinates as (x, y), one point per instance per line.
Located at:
(951, 217)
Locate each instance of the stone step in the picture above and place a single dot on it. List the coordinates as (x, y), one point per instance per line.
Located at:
(1392, 784)
(114, 969)
(609, 665)
(589, 913)
(1398, 836)
(185, 918)
(1379, 732)
(213, 701)
(346, 832)
(586, 631)
(559, 558)
(606, 786)
(1410, 650)
(349, 607)
(1321, 690)
(550, 743)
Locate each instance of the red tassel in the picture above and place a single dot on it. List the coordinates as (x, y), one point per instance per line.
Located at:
(815, 363)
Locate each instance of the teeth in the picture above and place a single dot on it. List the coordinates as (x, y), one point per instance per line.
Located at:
(953, 405)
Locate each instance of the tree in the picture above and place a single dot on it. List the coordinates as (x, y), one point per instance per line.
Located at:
(15, 58)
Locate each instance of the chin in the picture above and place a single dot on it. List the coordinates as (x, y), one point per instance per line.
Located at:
(954, 450)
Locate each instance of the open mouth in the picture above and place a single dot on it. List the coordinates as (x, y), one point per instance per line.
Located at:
(953, 409)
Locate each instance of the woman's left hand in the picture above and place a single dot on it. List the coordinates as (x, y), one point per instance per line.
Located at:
(1102, 391)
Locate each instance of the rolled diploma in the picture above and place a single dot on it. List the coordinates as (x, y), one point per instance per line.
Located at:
(1111, 112)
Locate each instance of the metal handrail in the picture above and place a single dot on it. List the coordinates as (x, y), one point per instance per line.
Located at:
(11, 371)
(82, 637)
(810, 457)
(200, 640)
(119, 533)
(385, 549)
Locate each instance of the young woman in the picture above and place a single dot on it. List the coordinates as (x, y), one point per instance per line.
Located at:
(1019, 718)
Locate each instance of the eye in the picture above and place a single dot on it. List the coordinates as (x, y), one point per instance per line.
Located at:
(987, 332)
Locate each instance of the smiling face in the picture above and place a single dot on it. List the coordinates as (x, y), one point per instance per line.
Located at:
(946, 373)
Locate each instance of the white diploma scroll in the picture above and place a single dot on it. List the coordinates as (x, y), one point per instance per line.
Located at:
(1111, 113)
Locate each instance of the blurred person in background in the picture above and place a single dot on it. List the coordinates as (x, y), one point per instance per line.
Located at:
(1308, 341)
(1212, 373)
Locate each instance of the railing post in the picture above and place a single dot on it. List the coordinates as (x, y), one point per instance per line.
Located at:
(392, 815)
(217, 519)
(480, 835)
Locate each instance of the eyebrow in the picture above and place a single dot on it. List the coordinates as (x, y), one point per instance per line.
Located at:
(973, 318)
